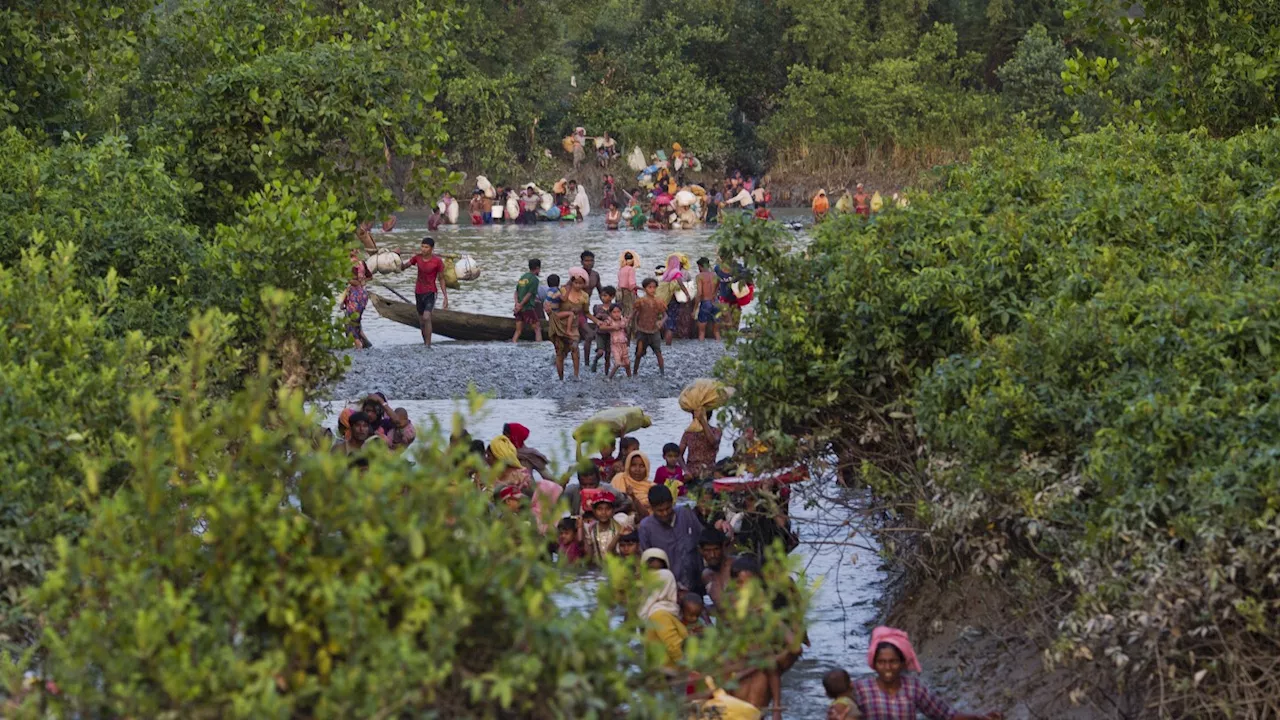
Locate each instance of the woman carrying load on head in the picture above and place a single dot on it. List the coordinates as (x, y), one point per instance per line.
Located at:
(891, 695)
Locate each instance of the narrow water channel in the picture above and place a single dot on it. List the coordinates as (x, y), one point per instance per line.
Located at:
(844, 566)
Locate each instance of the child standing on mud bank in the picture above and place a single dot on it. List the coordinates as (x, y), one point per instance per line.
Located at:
(649, 313)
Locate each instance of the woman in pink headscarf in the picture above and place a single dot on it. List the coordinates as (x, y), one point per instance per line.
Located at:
(890, 695)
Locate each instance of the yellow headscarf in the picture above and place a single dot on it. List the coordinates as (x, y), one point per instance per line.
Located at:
(504, 451)
(635, 259)
(639, 489)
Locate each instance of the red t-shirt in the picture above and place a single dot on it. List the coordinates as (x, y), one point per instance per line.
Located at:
(428, 271)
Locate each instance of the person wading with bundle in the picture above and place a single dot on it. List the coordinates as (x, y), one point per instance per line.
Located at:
(424, 291)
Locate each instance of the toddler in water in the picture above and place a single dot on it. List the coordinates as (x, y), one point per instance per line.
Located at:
(602, 315)
(692, 612)
(840, 689)
(619, 341)
(569, 549)
(672, 471)
(402, 434)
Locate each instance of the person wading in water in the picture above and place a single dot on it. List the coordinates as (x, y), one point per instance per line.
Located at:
(430, 268)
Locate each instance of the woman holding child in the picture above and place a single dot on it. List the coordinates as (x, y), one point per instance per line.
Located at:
(562, 320)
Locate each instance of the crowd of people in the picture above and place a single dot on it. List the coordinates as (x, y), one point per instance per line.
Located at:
(695, 545)
(637, 311)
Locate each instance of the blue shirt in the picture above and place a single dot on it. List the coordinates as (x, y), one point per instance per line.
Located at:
(679, 541)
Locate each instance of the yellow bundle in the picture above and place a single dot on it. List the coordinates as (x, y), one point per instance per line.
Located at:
(567, 143)
(703, 394)
(877, 202)
(450, 271)
(724, 706)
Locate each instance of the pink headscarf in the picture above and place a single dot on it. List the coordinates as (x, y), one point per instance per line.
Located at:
(896, 638)
(579, 273)
(673, 269)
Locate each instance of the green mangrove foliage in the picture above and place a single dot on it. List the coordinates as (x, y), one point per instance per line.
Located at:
(234, 567)
(1064, 361)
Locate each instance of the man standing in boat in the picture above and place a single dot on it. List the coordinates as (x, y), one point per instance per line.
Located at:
(429, 283)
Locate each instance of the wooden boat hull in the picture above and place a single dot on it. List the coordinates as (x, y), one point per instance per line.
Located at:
(451, 323)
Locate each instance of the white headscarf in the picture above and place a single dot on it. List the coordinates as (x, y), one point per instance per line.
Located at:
(664, 598)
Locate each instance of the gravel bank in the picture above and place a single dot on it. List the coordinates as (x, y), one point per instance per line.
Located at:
(503, 370)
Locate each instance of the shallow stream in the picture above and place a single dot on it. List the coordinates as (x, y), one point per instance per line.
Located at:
(431, 385)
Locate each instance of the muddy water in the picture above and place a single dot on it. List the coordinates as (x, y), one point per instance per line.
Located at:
(429, 384)
(503, 252)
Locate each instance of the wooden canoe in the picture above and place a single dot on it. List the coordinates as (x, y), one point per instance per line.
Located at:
(451, 323)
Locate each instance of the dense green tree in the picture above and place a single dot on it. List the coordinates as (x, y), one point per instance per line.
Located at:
(1032, 79)
(1218, 61)
(1061, 363)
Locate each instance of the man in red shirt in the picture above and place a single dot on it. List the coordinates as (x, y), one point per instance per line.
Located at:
(429, 283)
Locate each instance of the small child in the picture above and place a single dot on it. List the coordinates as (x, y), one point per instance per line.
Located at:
(569, 548)
(510, 497)
(619, 342)
(840, 689)
(601, 313)
(693, 613)
(599, 534)
(403, 434)
(627, 445)
(629, 545)
(673, 471)
(762, 212)
(552, 295)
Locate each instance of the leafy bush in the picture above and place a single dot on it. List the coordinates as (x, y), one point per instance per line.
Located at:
(64, 374)
(1218, 61)
(1063, 361)
(245, 571)
(121, 209)
(250, 94)
(285, 251)
(916, 100)
(1032, 79)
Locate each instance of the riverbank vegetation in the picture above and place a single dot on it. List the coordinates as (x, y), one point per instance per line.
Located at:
(1056, 369)
(179, 186)
(1056, 364)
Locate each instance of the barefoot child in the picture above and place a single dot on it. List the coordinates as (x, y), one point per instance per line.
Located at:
(602, 313)
(649, 314)
(619, 342)
(708, 288)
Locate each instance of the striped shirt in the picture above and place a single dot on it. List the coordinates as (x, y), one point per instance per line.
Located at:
(913, 697)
